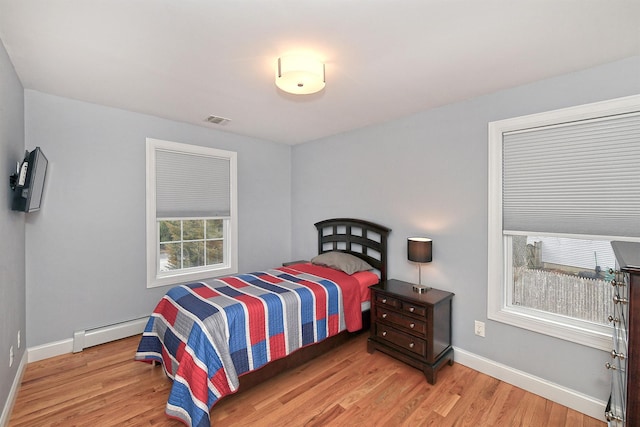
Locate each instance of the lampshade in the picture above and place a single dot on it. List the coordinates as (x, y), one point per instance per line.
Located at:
(300, 75)
(419, 249)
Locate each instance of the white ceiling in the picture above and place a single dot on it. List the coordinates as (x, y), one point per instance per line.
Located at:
(188, 59)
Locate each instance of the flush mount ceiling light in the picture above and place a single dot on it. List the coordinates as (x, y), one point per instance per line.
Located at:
(300, 75)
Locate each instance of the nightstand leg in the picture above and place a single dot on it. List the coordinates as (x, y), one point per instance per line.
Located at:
(371, 347)
(431, 371)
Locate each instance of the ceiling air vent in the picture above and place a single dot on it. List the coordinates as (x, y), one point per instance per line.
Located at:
(217, 120)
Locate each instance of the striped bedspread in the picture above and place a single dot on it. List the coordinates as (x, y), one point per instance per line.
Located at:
(206, 334)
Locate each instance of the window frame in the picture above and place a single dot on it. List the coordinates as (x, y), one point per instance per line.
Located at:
(155, 278)
(499, 244)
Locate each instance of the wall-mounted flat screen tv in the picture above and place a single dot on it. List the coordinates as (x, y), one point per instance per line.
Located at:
(29, 185)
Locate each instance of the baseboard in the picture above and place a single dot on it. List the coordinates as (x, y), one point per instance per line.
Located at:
(565, 396)
(13, 393)
(45, 351)
(86, 339)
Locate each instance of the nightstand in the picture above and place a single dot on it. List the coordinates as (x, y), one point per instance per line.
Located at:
(412, 327)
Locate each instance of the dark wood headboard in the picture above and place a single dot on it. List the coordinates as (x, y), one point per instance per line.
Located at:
(364, 239)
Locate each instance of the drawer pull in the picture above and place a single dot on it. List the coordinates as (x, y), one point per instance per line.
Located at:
(384, 333)
(413, 325)
(384, 315)
(384, 300)
(412, 309)
(412, 345)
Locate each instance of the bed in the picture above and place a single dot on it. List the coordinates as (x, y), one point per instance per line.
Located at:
(222, 335)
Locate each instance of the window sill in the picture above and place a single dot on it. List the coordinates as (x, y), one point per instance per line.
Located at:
(182, 277)
(600, 337)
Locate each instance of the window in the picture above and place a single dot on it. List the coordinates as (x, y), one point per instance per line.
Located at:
(562, 186)
(563, 276)
(191, 213)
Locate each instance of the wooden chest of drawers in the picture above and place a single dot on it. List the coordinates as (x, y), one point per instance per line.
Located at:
(414, 328)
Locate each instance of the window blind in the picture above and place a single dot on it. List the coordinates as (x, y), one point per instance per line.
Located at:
(574, 178)
(192, 185)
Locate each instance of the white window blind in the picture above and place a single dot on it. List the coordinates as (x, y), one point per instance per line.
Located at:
(192, 185)
(574, 178)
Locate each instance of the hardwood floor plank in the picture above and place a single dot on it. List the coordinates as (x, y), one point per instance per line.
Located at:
(469, 408)
(104, 386)
(501, 402)
(533, 410)
(326, 417)
(371, 375)
(437, 395)
(558, 414)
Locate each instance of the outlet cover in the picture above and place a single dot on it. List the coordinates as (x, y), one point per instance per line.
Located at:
(479, 328)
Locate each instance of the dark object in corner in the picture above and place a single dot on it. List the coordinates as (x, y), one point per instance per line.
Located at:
(421, 289)
(28, 182)
(597, 274)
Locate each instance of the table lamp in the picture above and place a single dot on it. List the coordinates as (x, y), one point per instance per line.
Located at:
(419, 250)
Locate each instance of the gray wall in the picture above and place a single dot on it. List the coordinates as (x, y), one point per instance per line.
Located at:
(85, 249)
(12, 256)
(427, 174)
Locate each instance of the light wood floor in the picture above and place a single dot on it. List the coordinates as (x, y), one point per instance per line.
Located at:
(103, 386)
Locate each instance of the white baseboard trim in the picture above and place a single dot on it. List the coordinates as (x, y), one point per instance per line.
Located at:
(52, 349)
(86, 339)
(13, 393)
(565, 396)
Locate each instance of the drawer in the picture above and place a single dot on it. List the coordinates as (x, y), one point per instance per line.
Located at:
(383, 300)
(402, 340)
(415, 309)
(398, 319)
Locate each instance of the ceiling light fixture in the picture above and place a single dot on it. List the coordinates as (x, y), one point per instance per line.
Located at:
(300, 75)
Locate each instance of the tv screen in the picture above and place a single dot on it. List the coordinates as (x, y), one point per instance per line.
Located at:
(27, 196)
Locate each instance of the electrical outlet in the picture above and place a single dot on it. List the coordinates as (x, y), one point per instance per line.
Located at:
(11, 356)
(479, 328)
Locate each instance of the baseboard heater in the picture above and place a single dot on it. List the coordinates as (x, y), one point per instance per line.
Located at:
(104, 334)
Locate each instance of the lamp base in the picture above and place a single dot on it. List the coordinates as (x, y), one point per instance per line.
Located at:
(421, 289)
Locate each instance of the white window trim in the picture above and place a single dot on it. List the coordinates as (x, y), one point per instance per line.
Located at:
(231, 245)
(498, 268)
